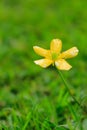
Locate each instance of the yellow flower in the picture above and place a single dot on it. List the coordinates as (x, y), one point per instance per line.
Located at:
(54, 55)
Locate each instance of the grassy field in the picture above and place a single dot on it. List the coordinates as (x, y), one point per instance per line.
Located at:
(32, 98)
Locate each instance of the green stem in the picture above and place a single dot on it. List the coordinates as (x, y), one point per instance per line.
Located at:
(67, 87)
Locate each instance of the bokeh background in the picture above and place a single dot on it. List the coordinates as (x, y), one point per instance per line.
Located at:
(32, 98)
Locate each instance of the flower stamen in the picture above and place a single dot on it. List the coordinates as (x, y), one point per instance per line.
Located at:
(54, 56)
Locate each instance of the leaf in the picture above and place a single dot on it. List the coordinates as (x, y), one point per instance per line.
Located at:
(84, 125)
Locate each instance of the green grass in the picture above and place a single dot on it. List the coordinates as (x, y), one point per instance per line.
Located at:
(32, 98)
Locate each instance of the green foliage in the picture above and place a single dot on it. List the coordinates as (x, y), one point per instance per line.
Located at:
(32, 98)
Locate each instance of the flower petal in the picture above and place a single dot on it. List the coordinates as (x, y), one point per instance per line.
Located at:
(42, 52)
(43, 62)
(56, 46)
(62, 65)
(69, 53)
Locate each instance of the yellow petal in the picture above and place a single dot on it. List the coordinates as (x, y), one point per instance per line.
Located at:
(62, 65)
(56, 46)
(69, 53)
(43, 62)
(42, 52)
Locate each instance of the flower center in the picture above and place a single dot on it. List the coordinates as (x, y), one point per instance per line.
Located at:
(54, 56)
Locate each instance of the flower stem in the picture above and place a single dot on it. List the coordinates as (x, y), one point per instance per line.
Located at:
(67, 87)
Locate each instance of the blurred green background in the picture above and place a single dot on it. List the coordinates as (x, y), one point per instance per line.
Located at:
(32, 98)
